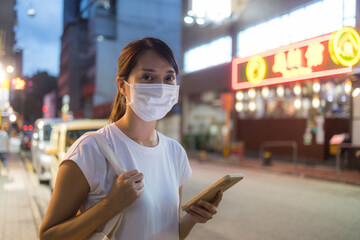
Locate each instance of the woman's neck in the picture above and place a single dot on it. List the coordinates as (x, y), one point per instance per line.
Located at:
(138, 130)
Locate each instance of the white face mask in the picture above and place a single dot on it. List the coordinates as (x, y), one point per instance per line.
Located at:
(152, 101)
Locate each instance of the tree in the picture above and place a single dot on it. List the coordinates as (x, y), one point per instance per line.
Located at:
(29, 102)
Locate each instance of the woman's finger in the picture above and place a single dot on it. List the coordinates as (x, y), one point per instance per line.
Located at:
(139, 186)
(138, 177)
(208, 206)
(128, 174)
(218, 198)
(202, 212)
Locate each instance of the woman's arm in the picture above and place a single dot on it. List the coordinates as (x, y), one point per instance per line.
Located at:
(70, 191)
(198, 213)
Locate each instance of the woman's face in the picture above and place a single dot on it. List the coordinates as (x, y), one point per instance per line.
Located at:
(151, 68)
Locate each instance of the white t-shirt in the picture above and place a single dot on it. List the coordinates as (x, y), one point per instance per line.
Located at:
(154, 215)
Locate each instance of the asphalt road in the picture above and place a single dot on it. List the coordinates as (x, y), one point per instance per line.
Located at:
(266, 205)
(270, 206)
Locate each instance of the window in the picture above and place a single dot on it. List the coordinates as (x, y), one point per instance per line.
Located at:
(207, 55)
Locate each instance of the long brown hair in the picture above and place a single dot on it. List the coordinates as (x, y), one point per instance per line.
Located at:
(128, 60)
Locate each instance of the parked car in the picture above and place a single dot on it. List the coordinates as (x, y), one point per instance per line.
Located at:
(63, 136)
(39, 142)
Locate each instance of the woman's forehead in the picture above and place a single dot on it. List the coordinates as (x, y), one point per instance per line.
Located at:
(152, 60)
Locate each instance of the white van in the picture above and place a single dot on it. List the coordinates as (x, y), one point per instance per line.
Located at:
(64, 135)
(39, 142)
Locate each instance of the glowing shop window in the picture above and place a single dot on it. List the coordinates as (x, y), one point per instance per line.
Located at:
(350, 22)
(333, 16)
(350, 9)
(313, 20)
(211, 10)
(207, 55)
(297, 26)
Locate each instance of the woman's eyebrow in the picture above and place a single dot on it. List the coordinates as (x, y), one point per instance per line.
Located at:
(152, 70)
(148, 69)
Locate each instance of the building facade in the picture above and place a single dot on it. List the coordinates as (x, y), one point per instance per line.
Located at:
(10, 57)
(307, 110)
(108, 25)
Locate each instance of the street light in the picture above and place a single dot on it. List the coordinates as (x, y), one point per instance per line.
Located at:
(10, 69)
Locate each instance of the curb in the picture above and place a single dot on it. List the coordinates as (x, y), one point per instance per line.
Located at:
(32, 202)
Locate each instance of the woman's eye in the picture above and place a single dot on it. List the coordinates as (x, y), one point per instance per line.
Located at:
(170, 78)
(147, 77)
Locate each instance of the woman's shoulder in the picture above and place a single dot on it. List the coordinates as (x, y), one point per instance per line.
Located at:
(171, 143)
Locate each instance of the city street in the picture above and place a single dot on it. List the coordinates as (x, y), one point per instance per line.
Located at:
(276, 206)
(263, 206)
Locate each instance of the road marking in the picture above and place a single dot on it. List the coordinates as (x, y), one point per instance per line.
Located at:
(27, 161)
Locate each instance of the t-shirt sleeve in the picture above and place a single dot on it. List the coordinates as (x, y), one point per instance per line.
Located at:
(185, 169)
(87, 155)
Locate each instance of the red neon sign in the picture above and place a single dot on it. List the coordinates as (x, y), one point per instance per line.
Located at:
(299, 61)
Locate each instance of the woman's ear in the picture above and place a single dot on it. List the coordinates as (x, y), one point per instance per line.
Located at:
(120, 83)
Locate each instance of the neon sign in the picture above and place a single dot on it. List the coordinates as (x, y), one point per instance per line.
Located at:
(327, 55)
(344, 47)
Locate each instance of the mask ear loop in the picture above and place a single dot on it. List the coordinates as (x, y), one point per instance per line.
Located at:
(127, 100)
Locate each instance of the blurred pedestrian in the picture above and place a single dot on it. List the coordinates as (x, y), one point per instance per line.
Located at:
(150, 193)
(4, 145)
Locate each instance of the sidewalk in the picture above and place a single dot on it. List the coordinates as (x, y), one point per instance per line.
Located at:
(19, 216)
(303, 170)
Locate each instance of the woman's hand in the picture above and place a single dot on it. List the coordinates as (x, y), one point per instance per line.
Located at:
(204, 211)
(126, 189)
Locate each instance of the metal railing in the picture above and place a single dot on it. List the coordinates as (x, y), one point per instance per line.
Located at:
(345, 147)
(292, 144)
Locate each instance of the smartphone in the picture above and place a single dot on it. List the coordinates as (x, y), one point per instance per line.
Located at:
(210, 192)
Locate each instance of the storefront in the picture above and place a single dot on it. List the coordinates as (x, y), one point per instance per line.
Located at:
(296, 89)
(301, 92)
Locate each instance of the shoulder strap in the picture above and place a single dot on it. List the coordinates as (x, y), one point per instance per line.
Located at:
(109, 154)
(119, 168)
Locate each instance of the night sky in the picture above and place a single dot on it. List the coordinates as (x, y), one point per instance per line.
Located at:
(39, 36)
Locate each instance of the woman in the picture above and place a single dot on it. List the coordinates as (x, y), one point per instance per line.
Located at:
(150, 193)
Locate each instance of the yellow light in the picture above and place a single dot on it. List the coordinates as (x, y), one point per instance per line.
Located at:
(265, 92)
(239, 106)
(297, 90)
(252, 106)
(348, 87)
(239, 95)
(280, 91)
(252, 93)
(297, 103)
(316, 87)
(344, 47)
(280, 63)
(256, 69)
(315, 101)
(294, 58)
(18, 84)
(314, 54)
(356, 92)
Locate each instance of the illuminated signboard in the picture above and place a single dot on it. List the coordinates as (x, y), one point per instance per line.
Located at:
(18, 84)
(327, 55)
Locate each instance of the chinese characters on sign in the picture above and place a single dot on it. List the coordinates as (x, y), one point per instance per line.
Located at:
(326, 55)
